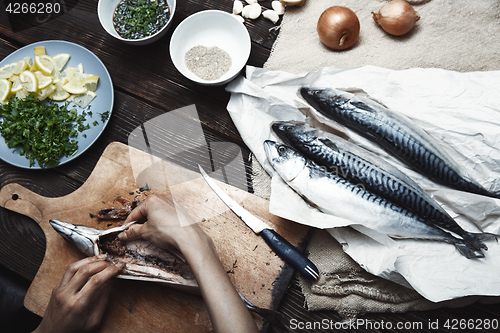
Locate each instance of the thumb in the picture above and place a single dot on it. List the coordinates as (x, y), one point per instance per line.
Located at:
(131, 233)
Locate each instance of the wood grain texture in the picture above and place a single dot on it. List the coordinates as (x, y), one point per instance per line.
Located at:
(144, 90)
(253, 267)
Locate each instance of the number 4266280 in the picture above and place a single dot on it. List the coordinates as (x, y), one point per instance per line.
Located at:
(33, 8)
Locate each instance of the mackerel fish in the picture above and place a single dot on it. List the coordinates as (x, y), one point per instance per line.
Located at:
(337, 196)
(395, 133)
(362, 167)
(143, 261)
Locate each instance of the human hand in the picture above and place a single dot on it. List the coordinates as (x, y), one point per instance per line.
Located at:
(166, 224)
(79, 301)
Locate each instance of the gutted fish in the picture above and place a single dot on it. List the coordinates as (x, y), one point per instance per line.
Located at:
(361, 167)
(118, 213)
(335, 195)
(395, 133)
(143, 261)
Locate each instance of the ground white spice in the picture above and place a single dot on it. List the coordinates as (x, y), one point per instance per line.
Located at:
(208, 63)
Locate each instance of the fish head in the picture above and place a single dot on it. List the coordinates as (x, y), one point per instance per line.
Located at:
(82, 237)
(325, 98)
(287, 162)
(294, 133)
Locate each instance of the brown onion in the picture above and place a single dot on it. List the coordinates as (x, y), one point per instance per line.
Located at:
(397, 17)
(338, 27)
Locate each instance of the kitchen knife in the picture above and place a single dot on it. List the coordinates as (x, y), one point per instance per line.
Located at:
(281, 246)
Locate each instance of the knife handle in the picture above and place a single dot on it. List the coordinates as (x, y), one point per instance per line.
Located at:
(290, 254)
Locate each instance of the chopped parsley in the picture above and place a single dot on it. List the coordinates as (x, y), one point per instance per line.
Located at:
(41, 132)
(135, 19)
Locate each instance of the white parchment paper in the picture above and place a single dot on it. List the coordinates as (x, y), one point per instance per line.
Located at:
(461, 110)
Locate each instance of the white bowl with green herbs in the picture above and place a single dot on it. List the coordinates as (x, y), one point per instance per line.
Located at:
(210, 47)
(136, 22)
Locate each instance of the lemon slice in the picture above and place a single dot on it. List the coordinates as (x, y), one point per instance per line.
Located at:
(6, 70)
(43, 81)
(82, 100)
(59, 93)
(28, 60)
(74, 87)
(46, 92)
(80, 67)
(4, 90)
(90, 82)
(16, 84)
(45, 63)
(20, 67)
(61, 59)
(39, 50)
(72, 74)
(22, 94)
(29, 81)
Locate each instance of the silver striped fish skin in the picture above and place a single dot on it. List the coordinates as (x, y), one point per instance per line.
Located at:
(335, 195)
(394, 132)
(359, 166)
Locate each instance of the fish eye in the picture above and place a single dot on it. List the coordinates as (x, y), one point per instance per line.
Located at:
(281, 149)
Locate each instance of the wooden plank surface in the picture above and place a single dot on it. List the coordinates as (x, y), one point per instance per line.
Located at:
(254, 268)
(152, 89)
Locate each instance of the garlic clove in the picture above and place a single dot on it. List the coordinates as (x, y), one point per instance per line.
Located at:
(237, 7)
(246, 11)
(250, 2)
(271, 15)
(239, 18)
(278, 7)
(252, 11)
(299, 3)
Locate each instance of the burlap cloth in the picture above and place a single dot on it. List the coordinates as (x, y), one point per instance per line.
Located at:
(460, 35)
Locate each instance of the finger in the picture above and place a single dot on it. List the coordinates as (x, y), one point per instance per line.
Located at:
(101, 303)
(133, 232)
(95, 283)
(84, 273)
(138, 214)
(74, 267)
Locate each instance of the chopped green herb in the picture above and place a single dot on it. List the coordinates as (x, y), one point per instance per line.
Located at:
(144, 188)
(134, 19)
(42, 132)
(104, 116)
(92, 215)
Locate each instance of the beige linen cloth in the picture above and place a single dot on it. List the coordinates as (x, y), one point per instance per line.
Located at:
(459, 35)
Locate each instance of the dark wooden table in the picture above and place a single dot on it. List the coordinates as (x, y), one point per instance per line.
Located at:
(146, 84)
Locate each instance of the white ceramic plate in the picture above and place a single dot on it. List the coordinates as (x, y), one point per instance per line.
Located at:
(101, 103)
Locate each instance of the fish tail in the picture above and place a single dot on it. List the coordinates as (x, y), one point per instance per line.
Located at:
(476, 239)
(466, 250)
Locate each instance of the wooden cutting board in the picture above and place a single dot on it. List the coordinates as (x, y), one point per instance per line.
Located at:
(138, 306)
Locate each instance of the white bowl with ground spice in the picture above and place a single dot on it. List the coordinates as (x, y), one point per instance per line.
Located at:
(210, 47)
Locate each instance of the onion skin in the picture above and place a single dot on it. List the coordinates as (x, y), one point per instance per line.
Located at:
(338, 27)
(397, 17)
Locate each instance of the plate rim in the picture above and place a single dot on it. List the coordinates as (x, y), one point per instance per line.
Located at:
(80, 150)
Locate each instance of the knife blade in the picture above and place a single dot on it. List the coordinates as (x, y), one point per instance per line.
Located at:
(280, 245)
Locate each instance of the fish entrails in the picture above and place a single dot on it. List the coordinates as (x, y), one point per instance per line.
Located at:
(395, 133)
